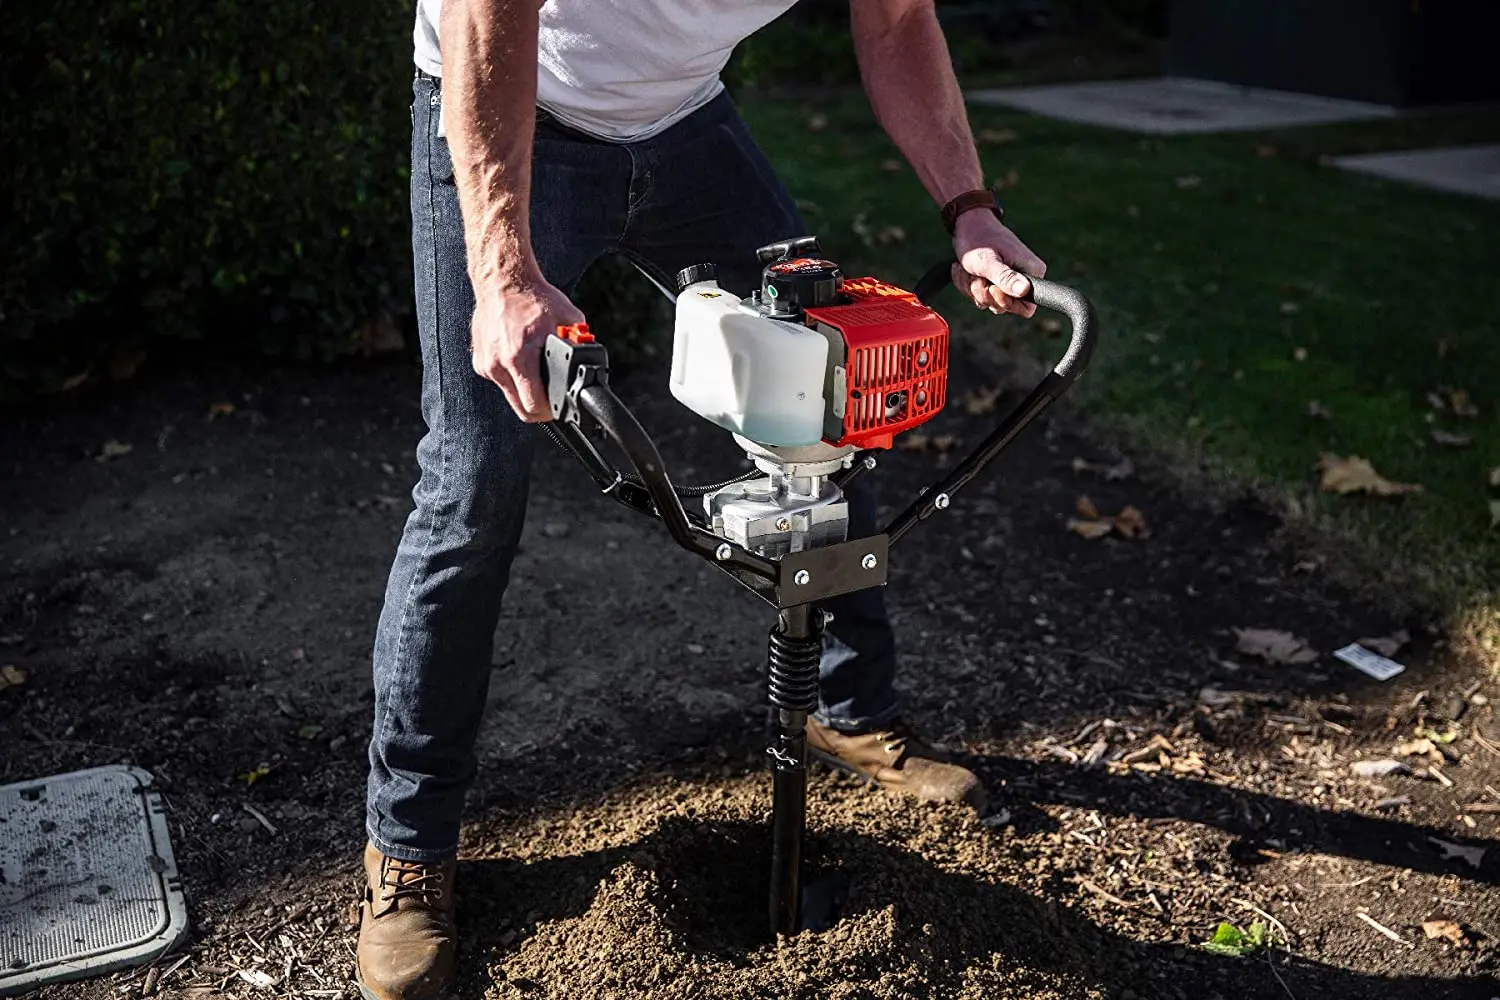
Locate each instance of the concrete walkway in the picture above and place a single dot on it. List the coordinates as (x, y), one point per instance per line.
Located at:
(1171, 106)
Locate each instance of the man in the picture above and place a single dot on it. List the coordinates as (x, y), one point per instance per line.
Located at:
(546, 135)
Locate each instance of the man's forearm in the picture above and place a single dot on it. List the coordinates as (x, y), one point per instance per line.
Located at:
(489, 100)
(908, 75)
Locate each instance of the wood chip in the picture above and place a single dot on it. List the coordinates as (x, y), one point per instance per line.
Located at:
(1091, 887)
(1384, 929)
(260, 817)
(1095, 754)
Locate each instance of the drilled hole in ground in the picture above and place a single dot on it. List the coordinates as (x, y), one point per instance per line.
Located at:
(715, 883)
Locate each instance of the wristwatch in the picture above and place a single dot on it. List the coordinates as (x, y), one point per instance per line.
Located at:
(968, 201)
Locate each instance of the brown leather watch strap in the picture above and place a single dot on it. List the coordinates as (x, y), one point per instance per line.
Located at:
(967, 202)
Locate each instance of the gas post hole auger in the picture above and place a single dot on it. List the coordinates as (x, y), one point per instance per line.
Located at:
(813, 374)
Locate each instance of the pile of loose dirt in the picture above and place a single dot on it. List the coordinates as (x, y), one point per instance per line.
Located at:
(661, 891)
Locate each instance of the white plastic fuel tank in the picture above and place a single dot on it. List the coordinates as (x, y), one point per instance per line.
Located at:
(758, 377)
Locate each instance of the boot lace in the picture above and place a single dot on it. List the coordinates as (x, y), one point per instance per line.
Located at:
(410, 880)
(899, 740)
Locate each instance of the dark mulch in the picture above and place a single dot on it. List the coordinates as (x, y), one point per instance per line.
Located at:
(203, 606)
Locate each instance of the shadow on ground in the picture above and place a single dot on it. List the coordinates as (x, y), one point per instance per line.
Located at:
(203, 606)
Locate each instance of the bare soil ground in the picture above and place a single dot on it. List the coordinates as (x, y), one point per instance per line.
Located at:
(203, 606)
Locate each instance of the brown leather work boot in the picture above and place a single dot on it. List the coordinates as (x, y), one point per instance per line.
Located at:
(407, 942)
(895, 759)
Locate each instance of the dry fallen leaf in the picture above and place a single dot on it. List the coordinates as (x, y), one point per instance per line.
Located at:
(1357, 475)
(1051, 326)
(978, 402)
(1495, 513)
(1495, 476)
(1439, 928)
(1119, 470)
(1450, 439)
(11, 676)
(1273, 645)
(1317, 410)
(1290, 309)
(1190, 181)
(113, 449)
(890, 166)
(1459, 403)
(889, 235)
(1090, 529)
(222, 408)
(1300, 354)
(1131, 523)
(1389, 645)
(995, 136)
(1265, 152)
(1010, 180)
(74, 381)
(817, 122)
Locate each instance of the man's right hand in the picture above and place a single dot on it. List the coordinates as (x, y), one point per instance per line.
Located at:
(509, 330)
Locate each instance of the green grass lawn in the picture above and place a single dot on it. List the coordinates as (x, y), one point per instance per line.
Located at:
(1238, 279)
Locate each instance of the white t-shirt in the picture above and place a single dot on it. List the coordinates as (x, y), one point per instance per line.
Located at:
(625, 69)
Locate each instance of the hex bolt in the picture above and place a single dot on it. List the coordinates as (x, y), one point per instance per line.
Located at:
(802, 578)
(869, 462)
(723, 552)
(869, 561)
(783, 524)
(940, 501)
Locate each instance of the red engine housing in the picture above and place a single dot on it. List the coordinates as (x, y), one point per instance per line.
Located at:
(892, 374)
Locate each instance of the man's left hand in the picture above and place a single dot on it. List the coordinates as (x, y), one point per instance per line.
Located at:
(993, 265)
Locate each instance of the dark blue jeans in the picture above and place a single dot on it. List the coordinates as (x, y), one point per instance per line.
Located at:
(701, 191)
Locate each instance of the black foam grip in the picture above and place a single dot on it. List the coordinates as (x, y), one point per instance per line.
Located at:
(1047, 295)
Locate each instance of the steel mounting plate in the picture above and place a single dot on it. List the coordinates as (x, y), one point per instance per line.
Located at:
(831, 570)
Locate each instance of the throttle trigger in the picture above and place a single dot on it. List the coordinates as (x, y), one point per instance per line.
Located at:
(577, 333)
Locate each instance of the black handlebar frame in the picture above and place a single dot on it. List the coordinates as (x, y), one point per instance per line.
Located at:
(577, 378)
(1047, 295)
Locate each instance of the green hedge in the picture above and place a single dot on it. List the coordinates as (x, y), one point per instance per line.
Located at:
(231, 175)
(230, 170)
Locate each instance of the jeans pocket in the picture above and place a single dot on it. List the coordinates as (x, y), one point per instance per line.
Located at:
(440, 159)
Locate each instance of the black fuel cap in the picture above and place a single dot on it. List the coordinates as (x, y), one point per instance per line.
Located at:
(694, 274)
(796, 283)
